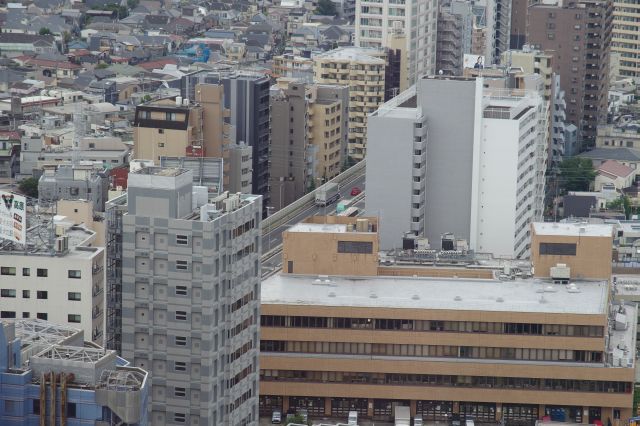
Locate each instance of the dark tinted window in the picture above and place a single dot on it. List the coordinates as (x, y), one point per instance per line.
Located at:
(558, 249)
(355, 247)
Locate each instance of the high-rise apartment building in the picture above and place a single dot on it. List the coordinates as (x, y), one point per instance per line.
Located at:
(493, 18)
(376, 21)
(343, 334)
(455, 157)
(624, 42)
(60, 277)
(455, 27)
(579, 36)
(188, 296)
(180, 127)
(396, 78)
(518, 28)
(50, 375)
(246, 99)
(309, 124)
(363, 70)
(533, 61)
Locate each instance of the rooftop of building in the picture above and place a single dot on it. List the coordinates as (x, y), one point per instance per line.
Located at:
(43, 239)
(160, 171)
(328, 228)
(586, 298)
(357, 54)
(46, 347)
(573, 229)
(615, 169)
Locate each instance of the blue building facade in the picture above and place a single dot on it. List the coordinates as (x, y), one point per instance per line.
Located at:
(48, 371)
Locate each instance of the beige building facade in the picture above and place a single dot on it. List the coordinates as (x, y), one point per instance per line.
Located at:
(363, 70)
(308, 137)
(178, 127)
(337, 336)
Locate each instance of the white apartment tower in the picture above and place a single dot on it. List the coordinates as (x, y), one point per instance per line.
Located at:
(482, 177)
(376, 20)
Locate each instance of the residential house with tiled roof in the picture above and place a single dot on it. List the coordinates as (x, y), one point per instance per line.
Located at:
(611, 172)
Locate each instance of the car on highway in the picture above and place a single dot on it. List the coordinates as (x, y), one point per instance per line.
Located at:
(355, 191)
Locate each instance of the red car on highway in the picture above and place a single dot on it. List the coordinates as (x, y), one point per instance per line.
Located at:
(355, 191)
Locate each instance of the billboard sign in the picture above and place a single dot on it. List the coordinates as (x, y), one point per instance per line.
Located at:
(473, 61)
(13, 217)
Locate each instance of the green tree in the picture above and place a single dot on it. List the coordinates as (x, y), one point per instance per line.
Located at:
(44, 31)
(576, 174)
(623, 203)
(326, 7)
(102, 66)
(297, 419)
(29, 187)
(133, 3)
(66, 36)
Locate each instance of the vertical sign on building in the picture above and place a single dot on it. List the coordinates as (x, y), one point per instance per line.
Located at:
(13, 219)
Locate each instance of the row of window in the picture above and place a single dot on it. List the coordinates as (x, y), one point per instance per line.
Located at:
(438, 351)
(40, 272)
(429, 325)
(72, 318)
(447, 380)
(41, 294)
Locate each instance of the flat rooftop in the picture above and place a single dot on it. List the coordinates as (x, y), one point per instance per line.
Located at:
(590, 298)
(319, 227)
(39, 237)
(573, 229)
(160, 171)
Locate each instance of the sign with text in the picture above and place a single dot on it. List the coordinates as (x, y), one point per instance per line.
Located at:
(13, 217)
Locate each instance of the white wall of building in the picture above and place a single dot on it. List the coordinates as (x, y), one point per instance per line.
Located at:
(418, 18)
(498, 177)
(57, 284)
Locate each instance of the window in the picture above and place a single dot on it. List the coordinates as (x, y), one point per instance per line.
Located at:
(182, 240)
(5, 292)
(181, 341)
(72, 295)
(181, 290)
(160, 145)
(558, 249)
(71, 409)
(73, 318)
(26, 315)
(7, 314)
(179, 418)
(161, 131)
(362, 247)
(181, 315)
(41, 272)
(74, 273)
(42, 316)
(7, 270)
(180, 366)
(180, 392)
(171, 116)
(42, 294)
(26, 294)
(26, 272)
(182, 265)
(36, 406)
